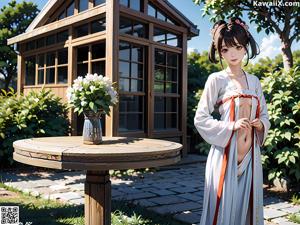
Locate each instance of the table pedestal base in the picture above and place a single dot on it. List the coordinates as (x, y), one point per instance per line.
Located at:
(97, 207)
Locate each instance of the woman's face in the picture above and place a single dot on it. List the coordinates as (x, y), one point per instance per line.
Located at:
(233, 55)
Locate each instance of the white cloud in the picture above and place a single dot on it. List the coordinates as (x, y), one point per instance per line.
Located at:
(269, 47)
(190, 49)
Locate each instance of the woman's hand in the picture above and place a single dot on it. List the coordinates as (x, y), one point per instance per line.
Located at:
(243, 123)
(257, 124)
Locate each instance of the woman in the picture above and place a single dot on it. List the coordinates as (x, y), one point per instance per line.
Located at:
(233, 192)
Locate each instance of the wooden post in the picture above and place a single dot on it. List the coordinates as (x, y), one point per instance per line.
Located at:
(184, 77)
(112, 61)
(97, 208)
(150, 79)
(71, 72)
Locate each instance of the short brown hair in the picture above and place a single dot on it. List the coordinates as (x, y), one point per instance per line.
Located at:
(227, 32)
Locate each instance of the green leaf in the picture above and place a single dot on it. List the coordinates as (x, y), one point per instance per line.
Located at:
(92, 105)
(292, 159)
(288, 135)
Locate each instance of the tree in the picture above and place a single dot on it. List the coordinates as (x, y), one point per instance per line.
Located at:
(14, 19)
(279, 17)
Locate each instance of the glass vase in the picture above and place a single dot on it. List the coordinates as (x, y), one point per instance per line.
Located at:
(92, 130)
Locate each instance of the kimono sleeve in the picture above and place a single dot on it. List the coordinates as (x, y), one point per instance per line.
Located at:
(263, 116)
(213, 131)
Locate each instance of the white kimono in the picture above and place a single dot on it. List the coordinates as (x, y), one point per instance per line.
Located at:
(233, 193)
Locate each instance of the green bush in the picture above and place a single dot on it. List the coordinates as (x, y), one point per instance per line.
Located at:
(280, 154)
(38, 114)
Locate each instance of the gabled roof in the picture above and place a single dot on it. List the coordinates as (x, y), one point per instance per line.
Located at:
(49, 5)
(193, 28)
(52, 5)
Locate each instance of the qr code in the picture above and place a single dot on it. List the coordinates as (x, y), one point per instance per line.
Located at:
(9, 215)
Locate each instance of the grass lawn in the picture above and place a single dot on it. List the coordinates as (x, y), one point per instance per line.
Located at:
(50, 212)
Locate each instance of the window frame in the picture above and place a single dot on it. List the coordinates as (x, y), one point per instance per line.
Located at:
(44, 67)
(138, 93)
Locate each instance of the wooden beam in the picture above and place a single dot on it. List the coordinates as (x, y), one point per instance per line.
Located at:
(89, 39)
(133, 14)
(146, 42)
(59, 24)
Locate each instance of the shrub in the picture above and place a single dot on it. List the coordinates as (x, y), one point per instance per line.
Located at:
(39, 114)
(280, 155)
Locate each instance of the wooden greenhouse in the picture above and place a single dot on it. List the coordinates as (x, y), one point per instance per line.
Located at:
(140, 44)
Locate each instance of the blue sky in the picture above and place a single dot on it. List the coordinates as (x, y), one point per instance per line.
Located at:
(269, 44)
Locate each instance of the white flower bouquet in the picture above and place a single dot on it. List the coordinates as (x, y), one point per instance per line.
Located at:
(92, 93)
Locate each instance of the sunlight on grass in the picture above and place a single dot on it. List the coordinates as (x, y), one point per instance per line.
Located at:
(41, 211)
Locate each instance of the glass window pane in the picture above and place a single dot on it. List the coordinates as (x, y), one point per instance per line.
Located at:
(124, 84)
(161, 16)
(125, 26)
(171, 87)
(159, 36)
(62, 75)
(62, 15)
(131, 122)
(139, 30)
(70, 9)
(151, 10)
(124, 69)
(124, 51)
(82, 54)
(51, 59)
(159, 104)
(131, 103)
(124, 2)
(137, 54)
(159, 87)
(82, 69)
(171, 104)
(98, 51)
(63, 56)
(172, 40)
(81, 31)
(160, 57)
(159, 121)
(171, 120)
(98, 25)
(50, 75)
(41, 60)
(172, 75)
(172, 59)
(159, 73)
(98, 67)
(136, 85)
(83, 5)
(170, 21)
(30, 45)
(62, 36)
(41, 76)
(50, 40)
(136, 70)
(40, 42)
(135, 4)
(30, 71)
(98, 2)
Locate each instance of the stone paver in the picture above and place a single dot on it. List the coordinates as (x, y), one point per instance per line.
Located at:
(174, 189)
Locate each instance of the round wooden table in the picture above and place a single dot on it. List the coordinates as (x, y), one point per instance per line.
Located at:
(97, 160)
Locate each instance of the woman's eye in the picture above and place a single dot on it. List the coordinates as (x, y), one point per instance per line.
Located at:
(239, 47)
(224, 50)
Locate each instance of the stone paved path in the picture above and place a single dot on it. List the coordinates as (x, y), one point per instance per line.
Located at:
(175, 189)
